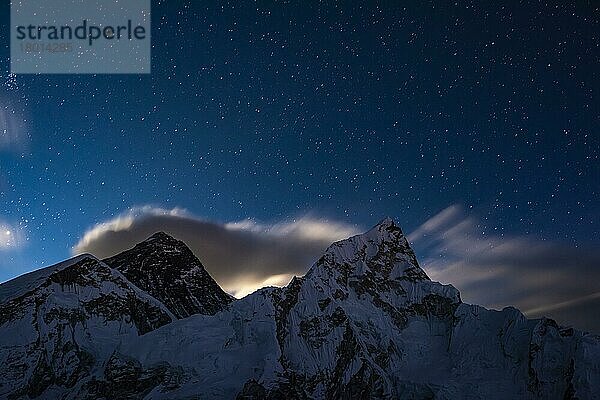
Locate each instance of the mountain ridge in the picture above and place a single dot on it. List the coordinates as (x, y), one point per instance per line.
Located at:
(364, 322)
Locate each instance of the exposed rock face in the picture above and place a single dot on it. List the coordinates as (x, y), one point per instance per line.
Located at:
(364, 322)
(168, 270)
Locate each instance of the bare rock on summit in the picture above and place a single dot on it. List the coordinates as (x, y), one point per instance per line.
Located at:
(168, 270)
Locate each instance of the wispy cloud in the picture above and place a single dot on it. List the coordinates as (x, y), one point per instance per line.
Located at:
(241, 255)
(13, 132)
(536, 276)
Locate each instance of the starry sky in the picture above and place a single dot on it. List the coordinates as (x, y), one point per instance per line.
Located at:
(485, 112)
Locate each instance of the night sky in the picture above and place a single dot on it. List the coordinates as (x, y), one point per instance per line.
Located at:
(338, 111)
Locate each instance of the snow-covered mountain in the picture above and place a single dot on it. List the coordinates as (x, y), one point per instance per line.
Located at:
(364, 322)
(60, 327)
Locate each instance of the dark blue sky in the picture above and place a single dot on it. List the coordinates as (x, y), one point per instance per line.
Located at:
(349, 112)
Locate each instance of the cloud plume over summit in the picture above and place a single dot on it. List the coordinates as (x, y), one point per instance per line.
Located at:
(242, 255)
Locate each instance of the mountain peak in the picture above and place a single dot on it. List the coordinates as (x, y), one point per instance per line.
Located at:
(386, 222)
(382, 251)
(162, 237)
(167, 269)
(386, 229)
